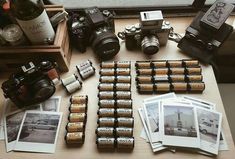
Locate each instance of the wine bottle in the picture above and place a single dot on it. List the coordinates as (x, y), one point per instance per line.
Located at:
(33, 19)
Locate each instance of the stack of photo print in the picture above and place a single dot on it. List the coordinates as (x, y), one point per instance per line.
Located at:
(31, 129)
(174, 123)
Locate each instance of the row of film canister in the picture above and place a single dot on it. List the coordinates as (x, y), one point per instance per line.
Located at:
(77, 118)
(169, 76)
(115, 114)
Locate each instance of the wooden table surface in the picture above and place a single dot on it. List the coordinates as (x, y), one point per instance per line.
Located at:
(142, 149)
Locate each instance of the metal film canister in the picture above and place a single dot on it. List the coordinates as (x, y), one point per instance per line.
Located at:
(107, 65)
(79, 99)
(107, 79)
(123, 64)
(125, 122)
(106, 112)
(75, 138)
(121, 112)
(68, 80)
(107, 72)
(77, 117)
(123, 79)
(175, 63)
(106, 122)
(105, 131)
(124, 132)
(159, 64)
(106, 142)
(179, 87)
(73, 87)
(121, 103)
(83, 65)
(107, 103)
(190, 63)
(123, 87)
(88, 72)
(78, 108)
(106, 87)
(123, 71)
(125, 142)
(196, 86)
(75, 127)
(143, 64)
(123, 95)
(106, 95)
(145, 88)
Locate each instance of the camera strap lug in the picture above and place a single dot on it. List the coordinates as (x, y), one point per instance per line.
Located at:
(173, 36)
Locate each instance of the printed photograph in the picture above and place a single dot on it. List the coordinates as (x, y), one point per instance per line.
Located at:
(179, 121)
(152, 111)
(50, 105)
(208, 125)
(39, 128)
(13, 123)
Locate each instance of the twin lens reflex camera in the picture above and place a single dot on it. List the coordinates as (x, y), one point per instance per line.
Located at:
(151, 33)
(95, 28)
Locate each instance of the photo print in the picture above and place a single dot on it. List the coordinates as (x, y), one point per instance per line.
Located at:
(38, 132)
(52, 104)
(179, 126)
(209, 123)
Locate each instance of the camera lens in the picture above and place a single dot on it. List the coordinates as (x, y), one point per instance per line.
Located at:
(43, 89)
(105, 43)
(150, 45)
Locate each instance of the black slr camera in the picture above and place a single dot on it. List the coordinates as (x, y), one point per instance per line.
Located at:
(31, 84)
(151, 33)
(95, 28)
(207, 32)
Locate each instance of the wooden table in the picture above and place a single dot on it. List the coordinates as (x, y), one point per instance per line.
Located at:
(142, 149)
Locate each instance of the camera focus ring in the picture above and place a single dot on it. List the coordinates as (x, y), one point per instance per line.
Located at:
(150, 45)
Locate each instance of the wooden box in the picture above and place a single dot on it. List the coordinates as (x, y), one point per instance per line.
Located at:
(60, 51)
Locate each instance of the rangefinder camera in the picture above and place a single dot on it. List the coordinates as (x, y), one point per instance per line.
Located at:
(149, 34)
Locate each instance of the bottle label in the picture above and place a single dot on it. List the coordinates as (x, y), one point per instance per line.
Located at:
(39, 29)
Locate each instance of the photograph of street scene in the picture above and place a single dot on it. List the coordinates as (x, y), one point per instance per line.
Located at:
(179, 121)
(153, 116)
(51, 104)
(208, 125)
(13, 123)
(39, 128)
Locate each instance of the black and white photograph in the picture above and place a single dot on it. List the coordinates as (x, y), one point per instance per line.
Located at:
(38, 131)
(12, 127)
(151, 111)
(52, 104)
(209, 123)
(200, 103)
(179, 125)
(156, 146)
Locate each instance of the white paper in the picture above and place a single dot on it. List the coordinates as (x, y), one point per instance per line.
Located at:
(160, 97)
(38, 132)
(200, 103)
(209, 123)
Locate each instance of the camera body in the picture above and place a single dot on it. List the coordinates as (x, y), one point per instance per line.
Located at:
(151, 33)
(31, 84)
(95, 28)
(207, 32)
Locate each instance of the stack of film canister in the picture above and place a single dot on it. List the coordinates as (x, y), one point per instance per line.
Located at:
(115, 114)
(162, 76)
(77, 118)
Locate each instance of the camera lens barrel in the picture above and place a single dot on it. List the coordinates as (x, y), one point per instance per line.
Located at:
(150, 45)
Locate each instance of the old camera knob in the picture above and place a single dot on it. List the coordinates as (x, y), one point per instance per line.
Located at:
(133, 29)
(128, 27)
(106, 13)
(46, 64)
(209, 46)
(137, 26)
(82, 19)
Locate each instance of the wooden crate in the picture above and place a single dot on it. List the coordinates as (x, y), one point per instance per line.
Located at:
(60, 51)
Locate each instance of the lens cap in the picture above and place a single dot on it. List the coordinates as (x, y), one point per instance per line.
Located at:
(150, 50)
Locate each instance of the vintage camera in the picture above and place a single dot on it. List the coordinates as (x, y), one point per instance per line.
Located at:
(31, 84)
(207, 32)
(151, 33)
(95, 28)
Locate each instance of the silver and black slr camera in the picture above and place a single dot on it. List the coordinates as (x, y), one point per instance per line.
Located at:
(207, 32)
(31, 84)
(151, 33)
(96, 29)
